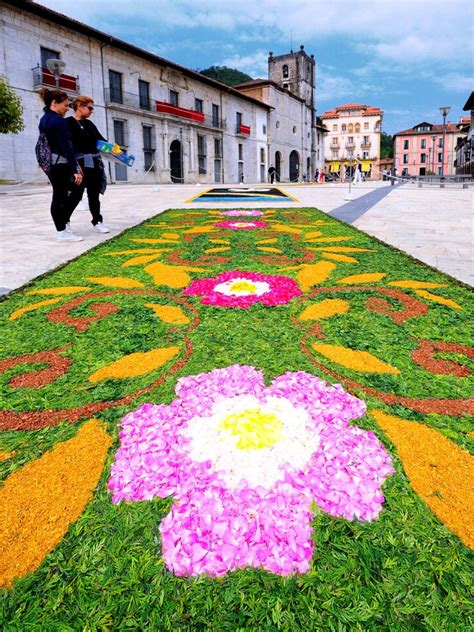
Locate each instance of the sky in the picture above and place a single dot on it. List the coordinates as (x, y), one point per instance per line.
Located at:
(408, 57)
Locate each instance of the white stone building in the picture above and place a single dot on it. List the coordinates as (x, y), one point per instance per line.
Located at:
(295, 137)
(354, 130)
(180, 125)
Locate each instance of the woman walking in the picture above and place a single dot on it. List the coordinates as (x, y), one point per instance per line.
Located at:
(84, 140)
(65, 173)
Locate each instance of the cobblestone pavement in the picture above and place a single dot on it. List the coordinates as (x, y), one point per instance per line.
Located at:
(432, 224)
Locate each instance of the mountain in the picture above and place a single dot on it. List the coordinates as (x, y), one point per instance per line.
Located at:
(229, 76)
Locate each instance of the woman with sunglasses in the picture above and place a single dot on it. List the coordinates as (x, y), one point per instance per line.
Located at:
(65, 173)
(84, 139)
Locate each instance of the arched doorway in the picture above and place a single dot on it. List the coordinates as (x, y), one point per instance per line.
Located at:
(176, 162)
(308, 169)
(278, 165)
(294, 166)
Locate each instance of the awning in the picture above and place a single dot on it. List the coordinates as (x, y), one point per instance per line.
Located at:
(334, 166)
(366, 165)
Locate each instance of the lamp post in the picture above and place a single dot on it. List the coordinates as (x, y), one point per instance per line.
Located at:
(444, 113)
(351, 155)
(56, 66)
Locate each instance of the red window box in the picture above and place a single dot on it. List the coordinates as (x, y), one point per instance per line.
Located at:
(245, 129)
(167, 108)
(66, 82)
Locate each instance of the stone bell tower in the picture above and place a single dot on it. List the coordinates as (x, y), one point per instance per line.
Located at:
(294, 72)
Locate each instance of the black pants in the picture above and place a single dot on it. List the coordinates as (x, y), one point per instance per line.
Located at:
(61, 205)
(91, 182)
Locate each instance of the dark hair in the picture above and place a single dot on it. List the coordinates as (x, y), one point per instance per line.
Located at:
(49, 96)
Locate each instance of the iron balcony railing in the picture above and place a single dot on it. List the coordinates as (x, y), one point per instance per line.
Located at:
(42, 78)
(138, 102)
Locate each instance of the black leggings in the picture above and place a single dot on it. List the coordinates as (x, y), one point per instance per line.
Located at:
(61, 205)
(91, 182)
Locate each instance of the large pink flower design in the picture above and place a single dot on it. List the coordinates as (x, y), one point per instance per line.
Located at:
(242, 213)
(242, 224)
(244, 463)
(236, 288)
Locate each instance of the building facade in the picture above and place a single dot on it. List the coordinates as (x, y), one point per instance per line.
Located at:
(180, 125)
(418, 151)
(295, 136)
(464, 161)
(354, 132)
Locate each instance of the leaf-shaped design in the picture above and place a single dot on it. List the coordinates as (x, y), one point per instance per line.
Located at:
(125, 282)
(438, 299)
(355, 360)
(325, 309)
(439, 471)
(345, 258)
(30, 308)
(40, 501)
(153, 240)
(170, 235)
(65, 289)
(313, 274)
(171, 276)
(137, 261)
(135, 364)
(363, 278)
(329, 240)
(416, 284)
(169, 313)
(218, 249)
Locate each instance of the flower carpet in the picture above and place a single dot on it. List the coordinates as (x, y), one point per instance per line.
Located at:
(237, 420)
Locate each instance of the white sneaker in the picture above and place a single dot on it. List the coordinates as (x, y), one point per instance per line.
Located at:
(68, 227)
(100, 227)
(68, 235)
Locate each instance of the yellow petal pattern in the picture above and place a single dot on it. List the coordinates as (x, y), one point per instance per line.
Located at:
(169, 314)
(438, 299)
(171, 276)
(218, 249)
(355, 360)
(29, 308)
(363, 278)
(416, 284)
(311, 275)
(334, 257)
(325, 309)
(124, 282)
(321, 240)
(39, 502)
(66, 289)
(439, 471)
(135, 364)
(137, 261)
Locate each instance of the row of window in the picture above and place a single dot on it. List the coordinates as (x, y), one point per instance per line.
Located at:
(406, 143)
(351, 127)
(350, 140)
(423, 158)
(335, 155)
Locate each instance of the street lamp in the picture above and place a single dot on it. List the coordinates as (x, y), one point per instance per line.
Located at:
(444, 113)
(56, 66)
(351, 156)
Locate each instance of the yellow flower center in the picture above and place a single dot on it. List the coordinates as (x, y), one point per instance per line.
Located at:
(241, 224)
(243, 286)
(254, 428)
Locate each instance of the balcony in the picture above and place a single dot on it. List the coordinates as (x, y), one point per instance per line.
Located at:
(43, 78)
(128, 100)
(334, 146)
(365, 145)
(242, 130)
(350, 146)
(163, 107)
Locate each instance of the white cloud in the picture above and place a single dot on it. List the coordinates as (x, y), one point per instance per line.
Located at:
(255, 64)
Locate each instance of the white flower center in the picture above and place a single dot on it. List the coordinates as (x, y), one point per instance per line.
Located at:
(245, 439)
(240, 286)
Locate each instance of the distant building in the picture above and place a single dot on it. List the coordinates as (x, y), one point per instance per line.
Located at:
(354, 129)
(295, 136)
(418, 151)
(464, 149)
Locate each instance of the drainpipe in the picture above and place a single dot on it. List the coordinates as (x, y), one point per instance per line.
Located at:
(222, 140)
(102, 46)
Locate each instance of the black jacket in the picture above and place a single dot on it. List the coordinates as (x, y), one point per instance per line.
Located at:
(59, 137)
(84, 135)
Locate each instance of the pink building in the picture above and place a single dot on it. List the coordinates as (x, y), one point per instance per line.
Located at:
(419, 151)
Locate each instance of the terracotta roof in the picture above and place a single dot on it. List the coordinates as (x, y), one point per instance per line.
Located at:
(351, 106)
(367, 110)
(80, 27)
(436, 129)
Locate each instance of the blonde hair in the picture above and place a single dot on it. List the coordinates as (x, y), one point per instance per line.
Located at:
(81, 100)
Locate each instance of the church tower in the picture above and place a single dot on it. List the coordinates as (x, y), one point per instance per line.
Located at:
(294, 72)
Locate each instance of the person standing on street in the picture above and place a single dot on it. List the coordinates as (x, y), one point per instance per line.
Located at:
(65, 173)
(84, 140)
(272, 173)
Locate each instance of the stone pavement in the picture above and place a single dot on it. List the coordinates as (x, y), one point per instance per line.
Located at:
(434, 225)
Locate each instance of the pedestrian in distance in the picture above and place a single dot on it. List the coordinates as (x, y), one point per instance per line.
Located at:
(316, 176)
(322, 176)
(64, 171)
(84, 136)
(272, 174)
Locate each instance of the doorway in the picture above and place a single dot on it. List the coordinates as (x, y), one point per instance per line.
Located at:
(294, 166)
(176, 162)
(278, 165)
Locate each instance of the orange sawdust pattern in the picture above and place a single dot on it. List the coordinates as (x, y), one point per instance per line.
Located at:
(18, 313)
(438, 299)
(354, 359)
(311, 275)
(4, 456)
(125, 282)
(439, 471)
(39, 502)
(363, 278)
(325, 309)
(135, 364)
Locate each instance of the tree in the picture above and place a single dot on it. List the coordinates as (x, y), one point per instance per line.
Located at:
(386, 145)
(11, 110)
(229, 76)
